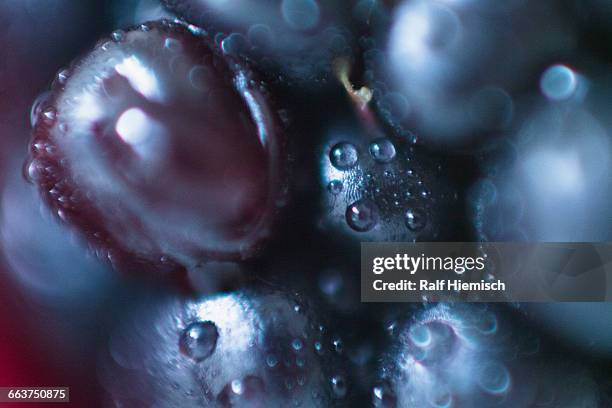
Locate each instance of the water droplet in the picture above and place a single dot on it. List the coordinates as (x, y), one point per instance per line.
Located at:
(339, 386)
(335, 187)
(382, 150)
(37, 107)
(300, 362)
(415, 219)
(195, 30)
(49, 115)
(297, 344)
(420, 335)
(199, 340)
(118, 35)
(271, 361)
(31, 171)
(172, 44)
(362, 215)
(63, 76)
(338, 345)
(200, 78)
(237, 387)
(235, 44)
(344, 156)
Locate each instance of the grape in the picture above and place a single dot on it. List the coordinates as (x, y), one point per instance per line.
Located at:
(298, 38)
(455, 355)
(162, 151)
(452, 70)
(251, 348)
(551, 181)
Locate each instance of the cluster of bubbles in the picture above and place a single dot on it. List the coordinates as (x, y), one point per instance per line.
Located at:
(458, 355)
(375, 189)
(243, 349)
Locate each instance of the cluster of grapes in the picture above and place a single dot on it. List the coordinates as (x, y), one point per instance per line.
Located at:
(193, 150)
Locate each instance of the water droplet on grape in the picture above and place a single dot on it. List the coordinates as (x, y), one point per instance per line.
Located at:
(199, 340)
(558, 83)
(335, 187)
(382, 150)
(415, 219)
(50, 114)
(383, 396)
(234, 44)
(37, 107)
(297, 344)
(339, 386)
(362, 215)
(344, 156)
(118, 35)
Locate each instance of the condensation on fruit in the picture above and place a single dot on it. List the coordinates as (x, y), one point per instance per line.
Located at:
(160, 149)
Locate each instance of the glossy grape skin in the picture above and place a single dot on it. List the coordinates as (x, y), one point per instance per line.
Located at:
(270, 351)
(458, 66)
(455, 355)
(162, 151)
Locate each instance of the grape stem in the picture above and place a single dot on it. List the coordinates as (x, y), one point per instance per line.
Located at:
(360, 97)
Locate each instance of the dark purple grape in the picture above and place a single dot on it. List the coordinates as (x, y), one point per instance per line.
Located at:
(160, 149)
(379, 188)
(452, 70)
(298, 38)
(254, 349)
(456, 355)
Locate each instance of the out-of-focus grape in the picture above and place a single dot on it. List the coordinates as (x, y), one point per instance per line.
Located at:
(298, 38)
(452, 69)
(243, 349)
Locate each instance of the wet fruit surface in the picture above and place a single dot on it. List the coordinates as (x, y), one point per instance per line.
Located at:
(378, 189)
(243, 349)
(297, 38)
(159, 147)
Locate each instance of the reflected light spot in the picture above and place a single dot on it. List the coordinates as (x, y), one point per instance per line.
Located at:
(88, 108)
(140, 77)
